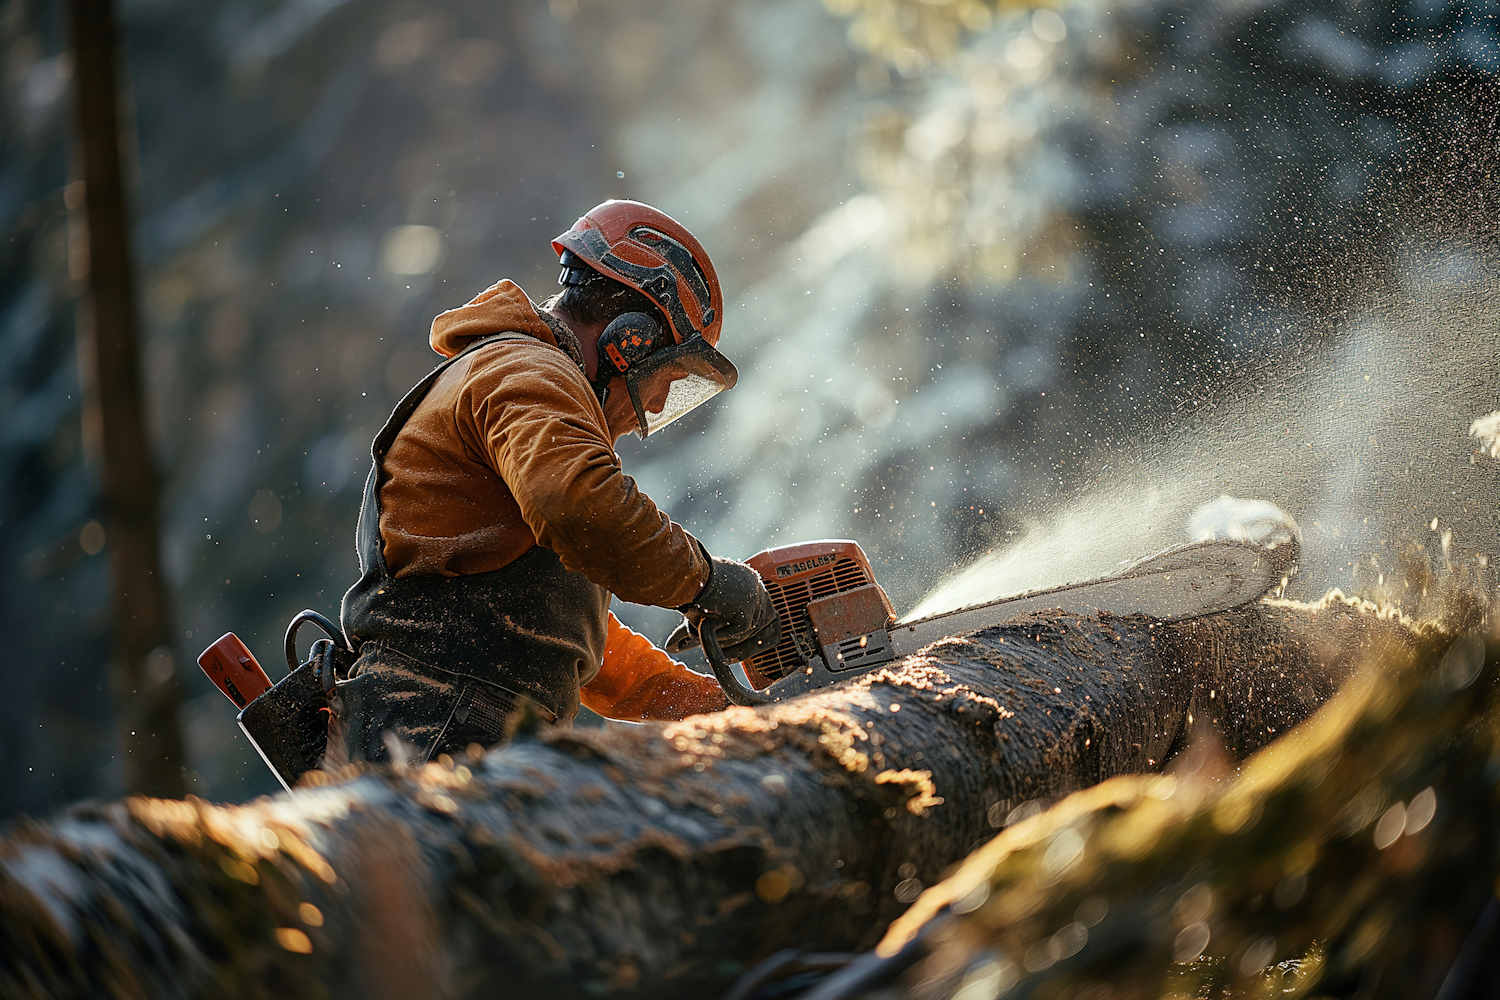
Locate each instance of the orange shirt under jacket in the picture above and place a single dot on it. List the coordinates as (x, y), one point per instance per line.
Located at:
(639, 681)
(510, 449)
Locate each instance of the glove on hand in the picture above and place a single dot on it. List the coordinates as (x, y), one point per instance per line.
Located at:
(744, 620)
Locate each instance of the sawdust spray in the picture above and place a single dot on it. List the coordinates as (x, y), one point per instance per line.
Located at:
(1365, 440)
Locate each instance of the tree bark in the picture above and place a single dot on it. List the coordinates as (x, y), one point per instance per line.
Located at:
(1357, 859)
(651, 860)
(143, 668)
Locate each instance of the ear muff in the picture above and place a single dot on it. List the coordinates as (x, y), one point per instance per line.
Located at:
(629, 339)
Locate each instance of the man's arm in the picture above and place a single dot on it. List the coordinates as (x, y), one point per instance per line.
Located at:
(530, 412)
(639, 682)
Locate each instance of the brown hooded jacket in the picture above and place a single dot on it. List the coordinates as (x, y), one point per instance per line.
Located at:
(510, 449)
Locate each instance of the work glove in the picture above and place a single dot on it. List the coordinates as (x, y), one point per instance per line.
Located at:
(742, 615)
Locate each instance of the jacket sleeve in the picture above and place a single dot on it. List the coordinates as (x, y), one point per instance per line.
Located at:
(639, 682)
(535, 420)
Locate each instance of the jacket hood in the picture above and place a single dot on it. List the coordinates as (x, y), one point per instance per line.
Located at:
(503, 307)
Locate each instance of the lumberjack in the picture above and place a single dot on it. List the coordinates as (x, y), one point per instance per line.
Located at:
(497, 522)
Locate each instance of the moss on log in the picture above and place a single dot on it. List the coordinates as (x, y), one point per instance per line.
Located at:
(653, 860)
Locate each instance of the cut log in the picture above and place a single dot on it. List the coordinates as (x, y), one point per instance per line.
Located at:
(659, 859)
(1358, 858)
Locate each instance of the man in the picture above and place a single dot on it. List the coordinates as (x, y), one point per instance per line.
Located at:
(497, 522)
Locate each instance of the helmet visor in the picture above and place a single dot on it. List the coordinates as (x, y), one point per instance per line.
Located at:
(676, 380)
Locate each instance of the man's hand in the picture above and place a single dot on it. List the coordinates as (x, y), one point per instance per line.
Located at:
(740, 609)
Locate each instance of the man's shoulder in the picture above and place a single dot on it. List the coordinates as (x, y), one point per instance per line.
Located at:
(516, 352)
(524, 367)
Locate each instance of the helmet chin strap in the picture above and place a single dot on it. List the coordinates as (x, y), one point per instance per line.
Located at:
(640, 411)
(601, 389)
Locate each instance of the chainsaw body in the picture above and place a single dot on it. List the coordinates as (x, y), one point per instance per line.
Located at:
(835, 618)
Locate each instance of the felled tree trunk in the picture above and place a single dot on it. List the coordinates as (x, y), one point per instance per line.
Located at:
(659, 859)
(1357, 860)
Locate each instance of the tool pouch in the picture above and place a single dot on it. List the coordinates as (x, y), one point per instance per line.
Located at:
(288, 725)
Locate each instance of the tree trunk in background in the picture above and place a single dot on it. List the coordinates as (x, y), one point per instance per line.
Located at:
(143, 670)
(656, 860)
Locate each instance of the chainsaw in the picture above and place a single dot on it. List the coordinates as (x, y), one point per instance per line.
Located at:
(836, 623)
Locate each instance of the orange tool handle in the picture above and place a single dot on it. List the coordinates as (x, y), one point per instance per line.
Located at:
(234, 670)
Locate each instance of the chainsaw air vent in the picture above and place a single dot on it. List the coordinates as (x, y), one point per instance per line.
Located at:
(855, 652)
(791, 598)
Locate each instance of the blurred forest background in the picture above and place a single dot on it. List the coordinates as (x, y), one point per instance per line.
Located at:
(1009, 284)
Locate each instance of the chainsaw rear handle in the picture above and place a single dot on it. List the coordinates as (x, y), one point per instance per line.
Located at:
(333, 632)
(737, 693)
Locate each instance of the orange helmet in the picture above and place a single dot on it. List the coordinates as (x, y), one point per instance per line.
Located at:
(650, 251)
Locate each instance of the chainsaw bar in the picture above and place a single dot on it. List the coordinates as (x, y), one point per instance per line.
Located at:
(1185, 581)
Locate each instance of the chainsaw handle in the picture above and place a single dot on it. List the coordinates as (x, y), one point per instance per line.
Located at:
(737, 693)
(333, 631)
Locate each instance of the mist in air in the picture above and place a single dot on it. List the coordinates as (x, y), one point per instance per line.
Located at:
(1369, 448)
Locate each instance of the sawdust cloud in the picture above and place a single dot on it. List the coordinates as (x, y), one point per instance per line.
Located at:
(1364, 439)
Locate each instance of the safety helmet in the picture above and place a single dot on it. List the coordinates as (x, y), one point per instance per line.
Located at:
(675, 369)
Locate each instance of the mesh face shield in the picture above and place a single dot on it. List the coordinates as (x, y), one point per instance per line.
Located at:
(675, 380)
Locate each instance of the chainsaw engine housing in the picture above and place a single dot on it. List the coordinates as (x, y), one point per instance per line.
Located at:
(831, 609)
